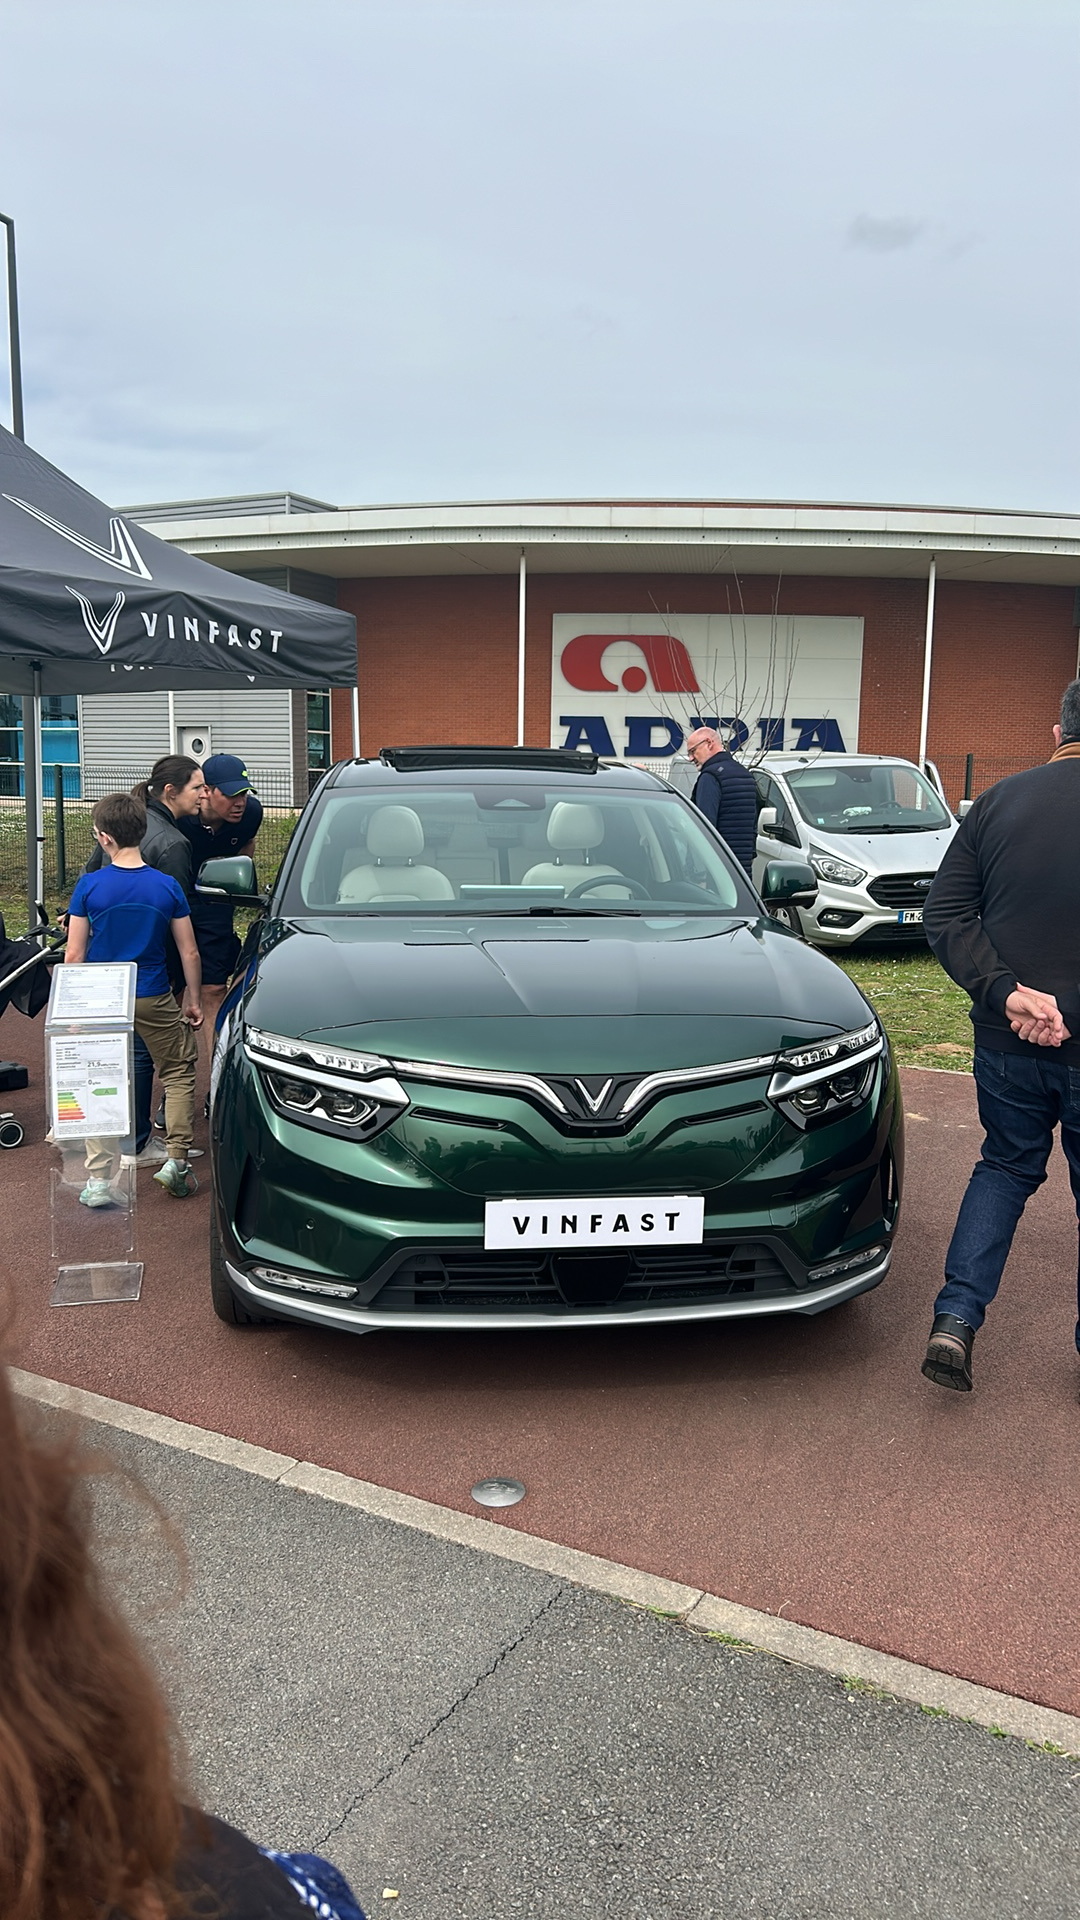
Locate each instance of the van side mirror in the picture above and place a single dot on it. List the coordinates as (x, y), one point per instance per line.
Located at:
(964, 809)
(231, 879)
(790, 882)
(766, 820)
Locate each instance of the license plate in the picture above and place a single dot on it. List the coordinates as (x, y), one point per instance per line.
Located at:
(911, 917)
(671, 1220)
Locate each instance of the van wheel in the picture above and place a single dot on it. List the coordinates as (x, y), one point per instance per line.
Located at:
(225, 1303)
(787, 917)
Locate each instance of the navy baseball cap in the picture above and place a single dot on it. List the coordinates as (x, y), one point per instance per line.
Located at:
(228, 774)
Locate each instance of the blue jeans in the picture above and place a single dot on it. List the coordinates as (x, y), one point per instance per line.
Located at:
(1022, 1097)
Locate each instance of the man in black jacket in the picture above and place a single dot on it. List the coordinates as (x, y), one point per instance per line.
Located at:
(1003, 912)
(725, 792)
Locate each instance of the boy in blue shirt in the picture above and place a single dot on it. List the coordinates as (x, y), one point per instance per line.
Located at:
(125, 911)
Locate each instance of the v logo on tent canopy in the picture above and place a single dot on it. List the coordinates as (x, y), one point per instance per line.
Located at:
(121, 552)
(101, 631)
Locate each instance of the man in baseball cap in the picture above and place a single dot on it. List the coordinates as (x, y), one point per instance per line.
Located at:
(228, 819)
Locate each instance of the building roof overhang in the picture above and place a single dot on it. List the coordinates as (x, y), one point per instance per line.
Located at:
(631, 536)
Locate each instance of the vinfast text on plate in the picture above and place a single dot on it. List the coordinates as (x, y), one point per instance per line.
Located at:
(673, 1219)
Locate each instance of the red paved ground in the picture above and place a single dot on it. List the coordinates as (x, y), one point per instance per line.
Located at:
(799, 1466)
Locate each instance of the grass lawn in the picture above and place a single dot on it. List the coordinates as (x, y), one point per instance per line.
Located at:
(924, 1013)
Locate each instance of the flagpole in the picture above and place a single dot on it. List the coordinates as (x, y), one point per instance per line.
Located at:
(31, 705)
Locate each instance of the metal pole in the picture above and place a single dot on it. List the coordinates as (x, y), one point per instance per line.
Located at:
(969, 775)
(14, 355)
(521, 654)
(356, 723)
(61, 837)
(928, 655)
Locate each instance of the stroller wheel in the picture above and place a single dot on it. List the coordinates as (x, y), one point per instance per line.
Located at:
(11, 1134)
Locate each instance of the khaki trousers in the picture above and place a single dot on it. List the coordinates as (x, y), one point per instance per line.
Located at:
(174, 1050)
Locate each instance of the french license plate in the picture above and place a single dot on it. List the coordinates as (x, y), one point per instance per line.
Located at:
(911, 917)
(669, 1220)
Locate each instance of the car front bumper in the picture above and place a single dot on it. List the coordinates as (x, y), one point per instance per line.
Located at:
(323, 1313)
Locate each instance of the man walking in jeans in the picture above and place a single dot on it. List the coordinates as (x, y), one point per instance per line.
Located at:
(1003, 917)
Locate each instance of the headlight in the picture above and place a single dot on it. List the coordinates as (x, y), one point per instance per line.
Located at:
(334, 1090)
(828, 867)
(828, 1078)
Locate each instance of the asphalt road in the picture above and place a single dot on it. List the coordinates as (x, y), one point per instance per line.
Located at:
(489, 1741)
(800, 1467)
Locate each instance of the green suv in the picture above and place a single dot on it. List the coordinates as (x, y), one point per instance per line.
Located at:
(515, 1043)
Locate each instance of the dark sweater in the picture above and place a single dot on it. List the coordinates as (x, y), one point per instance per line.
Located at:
(1004, 908)
(726, 793)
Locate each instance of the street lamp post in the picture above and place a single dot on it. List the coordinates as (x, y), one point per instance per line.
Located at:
(31, 706)
(14, 356)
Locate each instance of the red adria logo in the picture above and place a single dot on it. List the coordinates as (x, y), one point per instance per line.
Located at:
(669, 664)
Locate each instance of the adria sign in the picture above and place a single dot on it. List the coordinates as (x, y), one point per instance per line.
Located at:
(630, 685)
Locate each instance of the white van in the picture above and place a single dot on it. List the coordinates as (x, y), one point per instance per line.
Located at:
(873, 828)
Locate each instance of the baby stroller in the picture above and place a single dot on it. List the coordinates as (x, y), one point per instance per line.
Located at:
(24, 984)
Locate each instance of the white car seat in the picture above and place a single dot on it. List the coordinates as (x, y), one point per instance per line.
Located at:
(576, 828)
(395, 841)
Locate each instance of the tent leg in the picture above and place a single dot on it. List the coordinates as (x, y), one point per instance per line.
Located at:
(35, 811)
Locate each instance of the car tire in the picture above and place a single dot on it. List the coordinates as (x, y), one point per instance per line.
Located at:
(787, 917)
(225, 1303)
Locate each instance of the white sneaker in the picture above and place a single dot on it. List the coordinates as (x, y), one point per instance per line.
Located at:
(152, 1155)
(99, 1193)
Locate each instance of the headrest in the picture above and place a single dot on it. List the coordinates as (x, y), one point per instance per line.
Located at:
(395, 833)
(573, 824)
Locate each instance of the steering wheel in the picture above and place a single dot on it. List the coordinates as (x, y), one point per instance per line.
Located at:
(637, 890)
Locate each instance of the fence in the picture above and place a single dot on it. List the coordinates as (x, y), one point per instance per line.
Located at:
(966, 775)
(69, 841)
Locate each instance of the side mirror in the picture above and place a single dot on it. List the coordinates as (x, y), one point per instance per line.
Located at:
(766, 820)
(964, 809)
(232, 879)
(791, 882)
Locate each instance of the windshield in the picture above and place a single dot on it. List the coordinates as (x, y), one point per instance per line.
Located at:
(510, 849)
(867, 799)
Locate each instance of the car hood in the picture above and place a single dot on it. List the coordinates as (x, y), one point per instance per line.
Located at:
(883, 853)
(675, 989)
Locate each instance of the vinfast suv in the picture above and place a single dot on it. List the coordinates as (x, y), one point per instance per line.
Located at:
(515, 1043)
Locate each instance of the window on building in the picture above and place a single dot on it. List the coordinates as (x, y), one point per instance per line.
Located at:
(318, 737)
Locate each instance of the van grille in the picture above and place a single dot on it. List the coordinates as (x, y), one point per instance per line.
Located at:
(900, 889)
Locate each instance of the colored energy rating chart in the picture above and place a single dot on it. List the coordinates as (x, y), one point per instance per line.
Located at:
(88, 1076)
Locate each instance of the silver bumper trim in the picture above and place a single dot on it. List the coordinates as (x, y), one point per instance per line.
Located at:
(360, 1320)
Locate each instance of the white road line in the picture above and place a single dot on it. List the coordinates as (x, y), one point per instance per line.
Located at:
(703, 1612)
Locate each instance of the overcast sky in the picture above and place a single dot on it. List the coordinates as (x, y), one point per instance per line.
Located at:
(393, 250)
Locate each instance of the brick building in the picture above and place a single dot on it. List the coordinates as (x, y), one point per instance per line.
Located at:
(622, 621)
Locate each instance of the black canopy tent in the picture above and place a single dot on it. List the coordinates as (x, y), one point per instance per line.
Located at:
(91, 604)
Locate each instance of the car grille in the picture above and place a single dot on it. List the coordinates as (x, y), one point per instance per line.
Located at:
(458, 1281)
(900, 889)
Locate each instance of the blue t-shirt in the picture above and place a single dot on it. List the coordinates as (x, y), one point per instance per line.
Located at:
(130, 910)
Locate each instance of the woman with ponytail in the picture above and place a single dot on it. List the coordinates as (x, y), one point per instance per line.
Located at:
(92, 1820)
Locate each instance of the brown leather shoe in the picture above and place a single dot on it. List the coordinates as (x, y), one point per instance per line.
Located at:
(948, 1353)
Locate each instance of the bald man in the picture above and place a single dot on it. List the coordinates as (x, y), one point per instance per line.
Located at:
(725, 792)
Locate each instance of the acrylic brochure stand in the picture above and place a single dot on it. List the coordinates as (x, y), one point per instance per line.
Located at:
(90, 1086)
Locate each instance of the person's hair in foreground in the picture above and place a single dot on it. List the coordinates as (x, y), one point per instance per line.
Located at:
(92, 1826)
(1070, 714)
(122, 816)
(90, 1817)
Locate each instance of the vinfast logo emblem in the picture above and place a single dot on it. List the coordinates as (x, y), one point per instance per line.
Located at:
(102, 631)
(121, 553)
(670, 668)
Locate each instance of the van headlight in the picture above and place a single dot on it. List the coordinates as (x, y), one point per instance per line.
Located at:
(828, 867)
(332, 1089)
(828, 1078)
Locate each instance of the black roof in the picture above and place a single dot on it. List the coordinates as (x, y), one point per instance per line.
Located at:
(531, 764)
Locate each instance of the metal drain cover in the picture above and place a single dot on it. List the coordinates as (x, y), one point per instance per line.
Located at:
(498, 1493)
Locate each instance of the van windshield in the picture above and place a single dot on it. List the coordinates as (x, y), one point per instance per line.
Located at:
(867, 799)
(516, 848)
